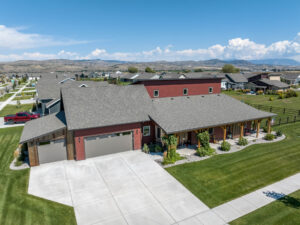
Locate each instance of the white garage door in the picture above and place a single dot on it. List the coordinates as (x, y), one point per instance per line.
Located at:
(52, 151)
(107, 144)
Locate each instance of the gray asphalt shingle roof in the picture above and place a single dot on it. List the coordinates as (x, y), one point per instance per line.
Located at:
(275, 83)
(50, 88)
(105, 106)
(43, 126)
(202, 111)
(237, 77)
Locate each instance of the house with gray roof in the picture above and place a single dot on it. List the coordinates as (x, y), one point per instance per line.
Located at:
(100, 120)
(236, 81)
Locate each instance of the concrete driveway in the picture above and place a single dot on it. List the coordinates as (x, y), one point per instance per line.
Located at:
(124, 188)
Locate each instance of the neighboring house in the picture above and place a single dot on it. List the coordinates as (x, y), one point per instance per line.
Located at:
(97, 121)
(267, 81)
(291, 78)
(48, 91)
(226, 84)
(236, 80)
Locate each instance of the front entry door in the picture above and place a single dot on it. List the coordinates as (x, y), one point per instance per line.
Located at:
(183, 138)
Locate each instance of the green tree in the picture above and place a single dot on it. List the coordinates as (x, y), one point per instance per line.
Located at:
(149, 70)
(228, 68)
(132, 69)
(198, 70)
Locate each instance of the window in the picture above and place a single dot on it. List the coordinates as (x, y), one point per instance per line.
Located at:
(156, 93)
(146, 131)
(210, 90)
(185, 91)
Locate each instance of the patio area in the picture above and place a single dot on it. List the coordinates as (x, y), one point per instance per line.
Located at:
(189, 152)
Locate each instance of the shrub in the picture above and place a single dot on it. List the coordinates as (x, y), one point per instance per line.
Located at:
(242, 141)
(225, 146)
(205, 152)
(172, 160)
(204, 139)
(259, 92)
(132, 69)
(265, 129)
(271, 99)
(18, 162)
(279, 133)
(146, 148)
(158, 148)
(269, 137)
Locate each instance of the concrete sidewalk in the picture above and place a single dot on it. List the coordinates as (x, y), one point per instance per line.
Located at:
(239, 207)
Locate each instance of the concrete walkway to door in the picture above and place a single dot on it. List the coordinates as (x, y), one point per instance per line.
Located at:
(123, 188)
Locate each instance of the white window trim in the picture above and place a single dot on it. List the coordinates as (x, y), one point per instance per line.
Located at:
(154, 93)
(187, 91)
(212, 90)
(144, 131)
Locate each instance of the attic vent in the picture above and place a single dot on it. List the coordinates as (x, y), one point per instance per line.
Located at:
(172, 98)
(202, 96)
(218, 95)
(187, 97)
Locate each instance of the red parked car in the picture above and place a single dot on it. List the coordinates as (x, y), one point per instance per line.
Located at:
(20, 117)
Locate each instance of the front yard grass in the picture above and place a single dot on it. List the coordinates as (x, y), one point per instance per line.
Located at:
(222, 178)
(13, 109)
(283, 211)
(16, 206)
(5, 97)
(25, 97)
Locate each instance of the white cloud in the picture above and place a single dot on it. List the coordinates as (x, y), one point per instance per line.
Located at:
(13, 38)
(237, 48)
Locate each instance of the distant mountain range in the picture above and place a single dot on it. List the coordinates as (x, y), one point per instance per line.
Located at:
(275, 62)
(26, 66)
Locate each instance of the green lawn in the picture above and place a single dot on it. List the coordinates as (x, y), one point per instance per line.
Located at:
(23, 97)
(283, 211)
(13, 109)
(222, 178)
(29, 89)
(16, 206)
(292, 103)
(5, 97)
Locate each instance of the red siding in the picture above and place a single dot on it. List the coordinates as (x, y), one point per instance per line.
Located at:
(151, 138)
(80, 134)
(173, 88)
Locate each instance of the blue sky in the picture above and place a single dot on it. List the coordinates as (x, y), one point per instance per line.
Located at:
(149, 30)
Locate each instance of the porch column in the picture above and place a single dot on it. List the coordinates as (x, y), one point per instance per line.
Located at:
(199, 144)
(269, 125)
(224, 133)
(242, 130)
(257, 128)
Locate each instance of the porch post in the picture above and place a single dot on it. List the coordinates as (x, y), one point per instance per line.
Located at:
(199, 144)
(242, 130)
(269, 125)
(257, 128)
(224, 133)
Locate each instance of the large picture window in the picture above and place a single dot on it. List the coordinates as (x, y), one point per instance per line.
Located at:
(146, 131)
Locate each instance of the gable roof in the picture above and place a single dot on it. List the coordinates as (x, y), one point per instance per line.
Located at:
(105, 106)
(237, 77)
(43, 126)
(50, 89)
(201, 111)
(275, 83)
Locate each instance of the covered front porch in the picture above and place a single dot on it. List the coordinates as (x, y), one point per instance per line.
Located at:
(228, 132)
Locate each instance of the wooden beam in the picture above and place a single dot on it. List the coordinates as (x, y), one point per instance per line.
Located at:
(242, 130)
(269, 125)
(257, 128)
(224, 132)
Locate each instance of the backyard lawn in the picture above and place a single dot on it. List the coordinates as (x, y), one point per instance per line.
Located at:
(225, 177)
(13, 109)
(23, 97)
(16, 206)
(292, 103)
(284, 211)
